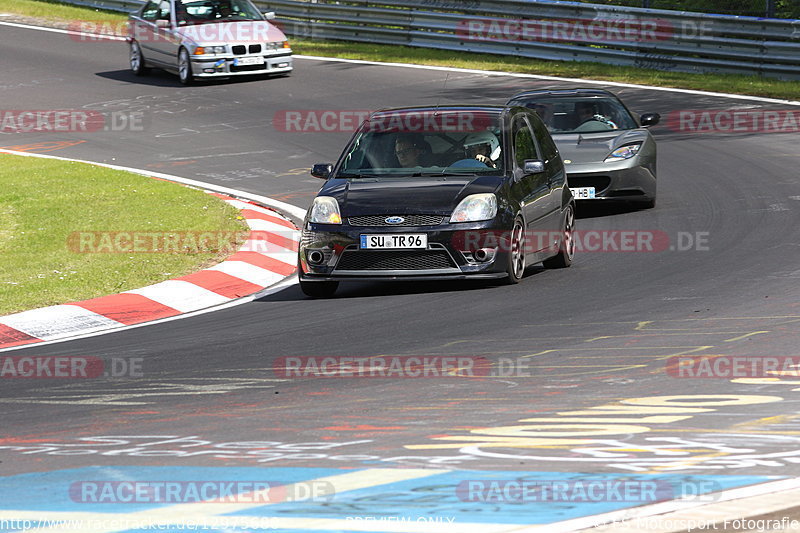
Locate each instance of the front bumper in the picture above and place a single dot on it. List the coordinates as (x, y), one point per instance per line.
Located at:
(634, 183)
(449, 253)
(219, 66)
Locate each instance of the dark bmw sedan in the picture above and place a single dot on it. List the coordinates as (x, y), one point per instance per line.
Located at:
(439, 193)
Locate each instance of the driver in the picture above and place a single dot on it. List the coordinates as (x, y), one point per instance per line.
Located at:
(225, 10)
(589, 120)
(412, 151)
(483, 146)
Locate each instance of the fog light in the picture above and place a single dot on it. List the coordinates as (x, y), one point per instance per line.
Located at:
(315, 257)
(281, 65)
(484, 254)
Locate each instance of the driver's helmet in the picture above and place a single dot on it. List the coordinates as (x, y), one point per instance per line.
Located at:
(484, 142)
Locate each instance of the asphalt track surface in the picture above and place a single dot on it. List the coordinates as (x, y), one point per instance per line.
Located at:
(600, 332)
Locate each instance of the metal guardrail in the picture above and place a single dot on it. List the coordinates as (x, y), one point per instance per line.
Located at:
(548, 30)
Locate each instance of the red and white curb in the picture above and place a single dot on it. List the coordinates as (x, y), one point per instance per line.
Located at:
(267, 257)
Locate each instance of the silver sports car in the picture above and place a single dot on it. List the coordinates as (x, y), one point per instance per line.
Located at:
(608, 153)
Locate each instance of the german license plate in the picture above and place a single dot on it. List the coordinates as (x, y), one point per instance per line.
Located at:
(394, 241)
(582, 193)
(243, 61)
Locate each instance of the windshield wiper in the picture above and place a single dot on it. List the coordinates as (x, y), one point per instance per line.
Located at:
(467, 173)
(357, 175)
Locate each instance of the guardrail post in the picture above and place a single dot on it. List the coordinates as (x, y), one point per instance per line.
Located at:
(770, 9)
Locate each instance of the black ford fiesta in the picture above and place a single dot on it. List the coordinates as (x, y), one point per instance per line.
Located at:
(439, 193)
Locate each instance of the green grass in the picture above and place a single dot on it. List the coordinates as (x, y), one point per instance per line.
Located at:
(56, 11)
(45, 203)
(736, 84)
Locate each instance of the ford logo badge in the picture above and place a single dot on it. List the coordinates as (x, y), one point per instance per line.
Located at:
(395, 220)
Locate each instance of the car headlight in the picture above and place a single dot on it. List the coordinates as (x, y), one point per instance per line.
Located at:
(475, 207)
(325, 210)
(624, 152)
(211, 50)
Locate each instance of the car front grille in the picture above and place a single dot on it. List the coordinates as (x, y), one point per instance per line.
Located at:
(385, 260)
(600, 183)
(239, 50)
(410, 220)
(254, 48)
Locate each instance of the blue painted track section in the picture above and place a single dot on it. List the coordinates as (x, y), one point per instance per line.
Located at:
(440, 496)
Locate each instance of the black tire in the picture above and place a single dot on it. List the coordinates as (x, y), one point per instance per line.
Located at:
(138, 64)
(566, 247)
(319, 289)
(185, 67)
(515, 266)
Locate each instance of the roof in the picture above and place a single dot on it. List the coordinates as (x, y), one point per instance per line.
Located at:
(565, 92)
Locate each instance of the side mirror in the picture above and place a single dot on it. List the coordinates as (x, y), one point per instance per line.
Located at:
(533, 166)
(322, 170)
(163, 24)
(269, 15)
(650, 119)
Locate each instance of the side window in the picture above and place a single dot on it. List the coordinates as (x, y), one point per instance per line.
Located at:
(524, 147)
(164, 10)
(150, 11)
(549, 150)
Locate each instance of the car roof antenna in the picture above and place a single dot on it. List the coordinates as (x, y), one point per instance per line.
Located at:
(447, 76)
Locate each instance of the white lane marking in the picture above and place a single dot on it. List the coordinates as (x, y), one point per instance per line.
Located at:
(181, 295)
(282, 206)
(278, 287)
(500, 73)
(257, 224)
(59, 30)
(250, 273)
(238, 204)
(290, 258)
(209, 510)
(267, 248)
(293, 210)
(58, 321)
(552, 78)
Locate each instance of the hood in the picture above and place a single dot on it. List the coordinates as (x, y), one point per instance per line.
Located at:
(405, 196)
(594, 147)
(243, 32)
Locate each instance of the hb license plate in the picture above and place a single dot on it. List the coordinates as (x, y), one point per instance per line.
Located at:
(582, 193)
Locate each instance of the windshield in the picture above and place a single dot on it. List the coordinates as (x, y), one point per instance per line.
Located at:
(205, 11)
(582, 114)
(425, 143)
